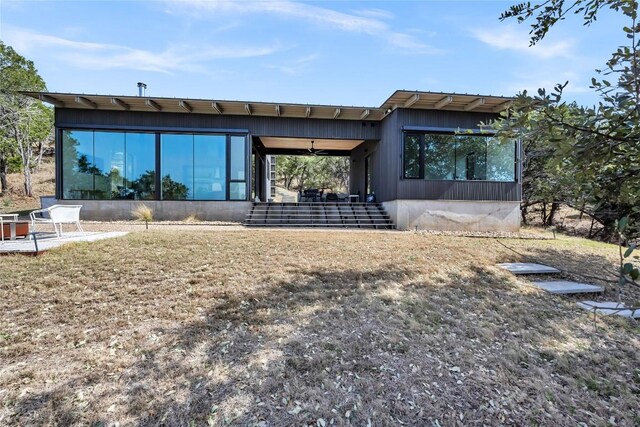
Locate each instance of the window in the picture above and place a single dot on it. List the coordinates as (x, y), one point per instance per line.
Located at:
(439, 156)
(107, 165)
(140, 166)
(471, 157)
(77, 165)
(466, 156)
(176, 165)
(210, 167)
(412, 156)
(238, 173)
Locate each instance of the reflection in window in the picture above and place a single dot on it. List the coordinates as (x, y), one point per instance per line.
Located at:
(177, 166)
(108, 159)
(238, 185)
(210, 167)
(77, 164)
(105, 165)
(439, 156)
(469, 157)
(238, 190)
(501, 160)
(412, 156)
(140, 164)
(471, 162)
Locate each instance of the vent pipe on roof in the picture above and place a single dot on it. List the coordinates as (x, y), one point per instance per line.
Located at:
(142, 88)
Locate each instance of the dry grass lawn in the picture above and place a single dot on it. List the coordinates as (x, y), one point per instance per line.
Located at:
(278, 328)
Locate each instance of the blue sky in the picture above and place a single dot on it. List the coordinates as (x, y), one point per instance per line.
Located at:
(346, 52)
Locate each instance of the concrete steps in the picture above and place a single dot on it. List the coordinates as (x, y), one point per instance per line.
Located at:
(321, 214)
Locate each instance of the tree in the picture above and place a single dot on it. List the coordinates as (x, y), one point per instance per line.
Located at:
(25, 123)
(597, 147)
(313, 172)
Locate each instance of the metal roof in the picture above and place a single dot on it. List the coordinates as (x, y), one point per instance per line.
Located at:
(399, 99)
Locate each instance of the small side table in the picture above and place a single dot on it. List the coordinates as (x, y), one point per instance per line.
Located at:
(12, 219)
(354, 198)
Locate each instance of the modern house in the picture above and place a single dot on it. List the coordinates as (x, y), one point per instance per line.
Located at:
(424, 155)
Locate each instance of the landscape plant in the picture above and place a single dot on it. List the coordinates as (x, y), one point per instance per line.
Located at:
(143, 213)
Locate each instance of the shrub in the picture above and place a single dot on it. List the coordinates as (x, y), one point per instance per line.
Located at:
(143, 213)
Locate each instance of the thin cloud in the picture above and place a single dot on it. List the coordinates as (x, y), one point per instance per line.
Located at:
(368, 23)
(105, 56)
(296, 66)
(509, 38)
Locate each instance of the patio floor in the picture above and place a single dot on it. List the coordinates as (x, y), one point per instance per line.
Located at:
(47, 241)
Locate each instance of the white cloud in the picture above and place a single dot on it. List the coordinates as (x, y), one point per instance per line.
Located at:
(366, 22)
(104, 56)
(295, 66)
(509, 38)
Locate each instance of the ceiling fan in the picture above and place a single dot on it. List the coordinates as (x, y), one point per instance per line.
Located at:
(315, 151)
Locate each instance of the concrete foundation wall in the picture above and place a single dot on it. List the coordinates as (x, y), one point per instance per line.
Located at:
(454, 215)
(110, 210)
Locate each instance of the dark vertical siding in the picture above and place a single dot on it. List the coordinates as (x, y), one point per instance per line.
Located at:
(257, 126)
(385, 165)
(386, 155)
(389, 182)
(357, 168)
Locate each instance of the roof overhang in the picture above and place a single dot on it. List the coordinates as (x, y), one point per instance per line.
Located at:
(446, 101)
(206, 106)
(399, 99)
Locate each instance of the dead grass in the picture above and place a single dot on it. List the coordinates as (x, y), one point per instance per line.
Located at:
(262, 327)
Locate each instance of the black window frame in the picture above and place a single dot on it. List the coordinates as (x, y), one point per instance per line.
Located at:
(421, 135)
(228, 133)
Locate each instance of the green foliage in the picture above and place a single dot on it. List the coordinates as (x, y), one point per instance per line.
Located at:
(590, 156)
(298, 172)
(629, 272)
(25, 124)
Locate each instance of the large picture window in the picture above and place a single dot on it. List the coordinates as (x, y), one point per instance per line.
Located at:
(108, 165)
(104, 165)
(465, 156)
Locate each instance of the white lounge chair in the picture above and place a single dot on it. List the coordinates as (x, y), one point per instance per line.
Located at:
(57, 215)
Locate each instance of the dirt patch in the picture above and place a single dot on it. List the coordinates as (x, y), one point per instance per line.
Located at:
(263, 327)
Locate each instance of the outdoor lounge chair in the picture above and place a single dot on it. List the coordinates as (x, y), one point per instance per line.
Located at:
(57, 215)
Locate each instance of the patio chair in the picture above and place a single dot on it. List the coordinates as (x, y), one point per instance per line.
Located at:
(57, 215)
(332, 197)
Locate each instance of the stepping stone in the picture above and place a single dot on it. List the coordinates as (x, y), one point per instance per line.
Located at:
(609, 308)
(567, 287)
(528, 268)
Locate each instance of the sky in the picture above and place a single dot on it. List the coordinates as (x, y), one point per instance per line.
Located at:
(316, 52)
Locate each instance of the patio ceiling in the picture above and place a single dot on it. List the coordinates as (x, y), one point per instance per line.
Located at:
(305, 143)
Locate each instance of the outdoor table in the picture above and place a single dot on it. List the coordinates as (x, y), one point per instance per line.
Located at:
(13, 228)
